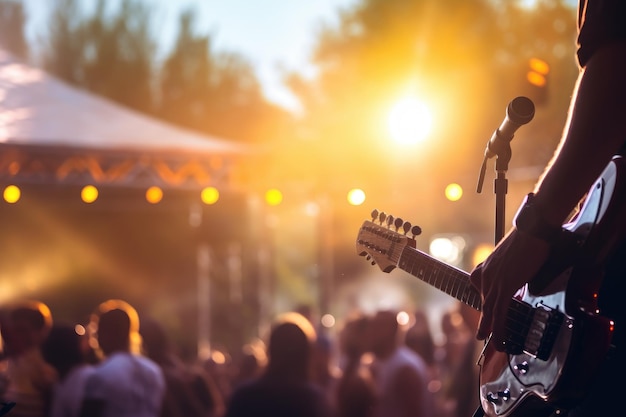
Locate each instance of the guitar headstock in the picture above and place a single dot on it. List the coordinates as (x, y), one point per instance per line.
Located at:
(383, 239)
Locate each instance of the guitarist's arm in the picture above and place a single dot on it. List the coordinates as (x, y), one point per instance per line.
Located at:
(595, 132)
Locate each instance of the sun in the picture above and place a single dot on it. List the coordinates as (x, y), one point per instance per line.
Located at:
(409, 121)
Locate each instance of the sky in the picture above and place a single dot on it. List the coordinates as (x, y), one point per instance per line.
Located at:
(274, 35)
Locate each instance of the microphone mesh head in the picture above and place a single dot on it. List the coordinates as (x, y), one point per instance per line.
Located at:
(521, 110)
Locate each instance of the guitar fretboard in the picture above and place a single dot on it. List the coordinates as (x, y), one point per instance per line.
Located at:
(453, 281)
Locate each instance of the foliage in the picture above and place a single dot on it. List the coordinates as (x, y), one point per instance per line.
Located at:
(12, 21)
(214, 92)
(108, 55)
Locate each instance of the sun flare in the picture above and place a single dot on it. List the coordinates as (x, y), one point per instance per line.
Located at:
(409, 121)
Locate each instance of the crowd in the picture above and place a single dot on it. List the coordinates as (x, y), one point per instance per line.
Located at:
(118, 365)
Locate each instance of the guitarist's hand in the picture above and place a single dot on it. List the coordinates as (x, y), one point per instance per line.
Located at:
(513, 263)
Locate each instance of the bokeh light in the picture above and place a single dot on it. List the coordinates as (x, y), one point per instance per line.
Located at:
(403, 318)
(89, 194)
(273, 197)
(480, 253)
(328, 320)
(154, 195)
(210, 195)
(356, 197)
(12, 194)
(454, 192)
(448, 249)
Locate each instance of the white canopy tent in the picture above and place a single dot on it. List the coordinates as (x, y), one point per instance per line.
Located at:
(53, 132)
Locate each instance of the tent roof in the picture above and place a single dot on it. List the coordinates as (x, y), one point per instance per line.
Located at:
(39, 109)
(51, 132)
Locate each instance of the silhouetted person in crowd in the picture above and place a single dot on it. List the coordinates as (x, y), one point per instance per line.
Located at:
(250, 364)
(356, 392)
(29, 378)
(325, 373)
(124, 384)
(188, 393)
(285, 388)
(458, 367)
(401, 375)
(419, 338)
(65, 350)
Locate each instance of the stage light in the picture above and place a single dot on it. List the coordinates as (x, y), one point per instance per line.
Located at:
(154, 195)
(89, 194)
(210, 195)
(356, 196)
(12, 194)
(454, 192)
(273, 197)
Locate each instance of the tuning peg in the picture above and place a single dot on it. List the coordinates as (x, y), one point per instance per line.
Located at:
(416, 231)
(374, 214)
(382, 216)
(406, 226)
(397, 223)
(389, 220)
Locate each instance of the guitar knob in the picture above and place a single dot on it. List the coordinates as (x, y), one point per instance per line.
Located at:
(505, 395)
(522, 368)
(492, 398)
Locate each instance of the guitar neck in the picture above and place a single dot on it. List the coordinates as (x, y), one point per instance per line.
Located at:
(449, 279)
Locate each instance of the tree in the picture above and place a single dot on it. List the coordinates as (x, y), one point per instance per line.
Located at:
(63, 54)
(119, 55)
(214, 92)
(108, 55)
(12, 21)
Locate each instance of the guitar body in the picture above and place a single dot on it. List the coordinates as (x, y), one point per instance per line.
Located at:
(555, 337)
(526, 385)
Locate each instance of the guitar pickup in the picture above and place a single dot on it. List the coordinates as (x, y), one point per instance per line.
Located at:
(542, 332)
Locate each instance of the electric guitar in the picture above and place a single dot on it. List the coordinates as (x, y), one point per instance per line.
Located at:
(556, 337)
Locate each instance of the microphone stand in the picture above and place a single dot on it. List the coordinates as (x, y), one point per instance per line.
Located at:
(500, 187)
(520, 111)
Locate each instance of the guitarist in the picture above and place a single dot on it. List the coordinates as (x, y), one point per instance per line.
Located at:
(595, 132)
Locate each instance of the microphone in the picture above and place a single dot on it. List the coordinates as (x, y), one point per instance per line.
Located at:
(520, 111)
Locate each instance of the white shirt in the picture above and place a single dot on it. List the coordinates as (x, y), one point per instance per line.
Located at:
(68, 393)
(385, 372)
(129, 385)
